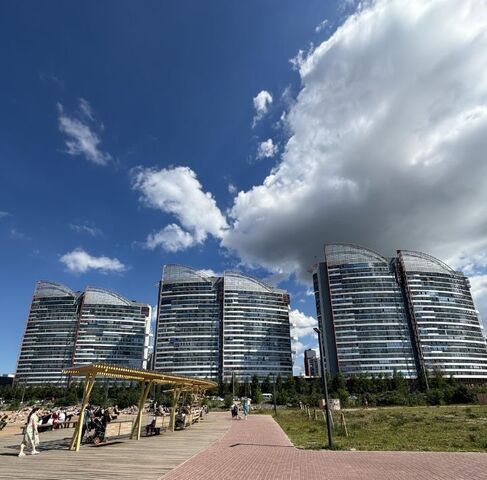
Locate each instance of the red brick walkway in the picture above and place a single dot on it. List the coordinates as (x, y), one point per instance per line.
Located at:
(257, 449)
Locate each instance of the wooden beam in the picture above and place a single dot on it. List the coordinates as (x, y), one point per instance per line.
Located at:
(78, 432)
(144, 393)
(175, 399)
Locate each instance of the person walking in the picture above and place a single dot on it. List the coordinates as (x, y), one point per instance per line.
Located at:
(31, 434)
(246, 408)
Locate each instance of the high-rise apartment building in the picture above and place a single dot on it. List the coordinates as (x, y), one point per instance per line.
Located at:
(220, 326)
(67, 328)
(409, 314)
(187, 340)
(311, 363)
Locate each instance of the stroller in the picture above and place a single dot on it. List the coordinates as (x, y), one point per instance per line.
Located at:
(97, 429)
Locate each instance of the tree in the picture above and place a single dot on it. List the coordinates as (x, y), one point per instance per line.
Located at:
(257, 397)
(228, 401)
(267, 385)
(338, 382)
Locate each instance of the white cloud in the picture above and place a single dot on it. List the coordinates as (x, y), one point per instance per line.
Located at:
(17, 235)
(301, 324)
(171, 238)
(266, 149)
(4, 214)
(232, 189)
(86, 228)
(86, 109)
(262, 102)
(479, 293)
(80, 261)
(321, 26)
(387, 145)
(81, 134)
(208, 272)
(153, 317)
(298, 60)
(178, 192)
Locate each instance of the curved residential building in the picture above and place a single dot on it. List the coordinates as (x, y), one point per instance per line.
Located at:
(112, 329)
(218, 326)
(48, 342)
(67, 328)
(188, 325)
(360, 308)
(411, 314)
(445, 321)
(256, 329)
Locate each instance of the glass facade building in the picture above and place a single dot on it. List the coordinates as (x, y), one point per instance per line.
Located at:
(256, 330)
(48, 343)
(112, 329)
(407, 314)
(187, 340)
(66, 328)
(221, 326)
(446, 323)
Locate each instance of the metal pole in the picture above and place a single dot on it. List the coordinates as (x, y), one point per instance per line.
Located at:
(233, 385)
(325, 388)
(274, 394)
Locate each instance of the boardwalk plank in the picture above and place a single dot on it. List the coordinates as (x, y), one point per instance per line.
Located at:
(146, 459)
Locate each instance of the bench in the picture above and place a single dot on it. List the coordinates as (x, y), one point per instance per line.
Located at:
(158, 424)
(118, 428)
(196, 415)
(68, 424)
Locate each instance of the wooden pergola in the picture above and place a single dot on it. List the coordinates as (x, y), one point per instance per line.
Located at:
(146, 378)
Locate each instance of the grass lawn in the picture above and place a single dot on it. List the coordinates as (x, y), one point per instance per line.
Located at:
(444, 428)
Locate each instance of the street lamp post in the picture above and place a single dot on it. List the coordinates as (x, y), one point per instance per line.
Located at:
(274, 393)
(325, 388)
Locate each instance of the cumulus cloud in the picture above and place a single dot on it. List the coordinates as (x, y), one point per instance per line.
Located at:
(85, 228)
(178, 192)
(81, 133)
(266, 149)
(171, 238)
(262, 102)
(387, 145)
(479, 292)
(301, 324)
(80, 261)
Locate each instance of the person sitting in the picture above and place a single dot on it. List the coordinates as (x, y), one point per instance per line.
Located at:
(150, 427)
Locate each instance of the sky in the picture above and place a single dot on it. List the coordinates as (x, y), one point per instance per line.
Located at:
(236, 135)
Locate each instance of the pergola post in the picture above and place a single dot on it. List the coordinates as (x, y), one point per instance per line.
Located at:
(175, 398)
(145, 389)
(78, 431)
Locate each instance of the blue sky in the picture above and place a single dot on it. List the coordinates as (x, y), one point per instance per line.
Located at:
(172, 83)
(235, 135)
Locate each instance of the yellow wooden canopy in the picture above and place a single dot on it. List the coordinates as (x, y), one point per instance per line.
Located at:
(147, 378)
(124, 373)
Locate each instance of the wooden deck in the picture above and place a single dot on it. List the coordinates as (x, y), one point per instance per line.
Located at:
(147, 459)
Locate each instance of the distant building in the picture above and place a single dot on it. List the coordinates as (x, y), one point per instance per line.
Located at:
(6, 379)
(221, 326)
(311, 364)
(409, 314)
(66, 328)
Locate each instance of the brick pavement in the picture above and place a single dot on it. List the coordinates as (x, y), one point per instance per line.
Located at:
(258, 449)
